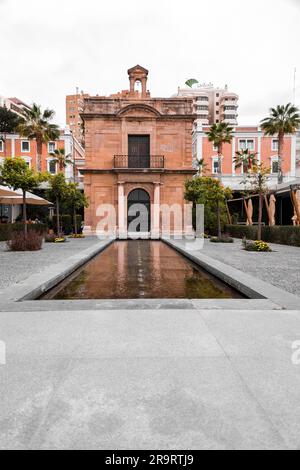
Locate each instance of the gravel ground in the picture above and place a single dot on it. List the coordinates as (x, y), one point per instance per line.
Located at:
(14, 267)
(280, 268)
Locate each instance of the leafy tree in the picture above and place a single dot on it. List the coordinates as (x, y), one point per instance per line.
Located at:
(36, 125)
(282, 120)
(258, 178)
(9, 122)
(16, 174)
(220, 134)
(61, 158)
(245, 159)
(57, 193)
(210, 192)
(76, 201)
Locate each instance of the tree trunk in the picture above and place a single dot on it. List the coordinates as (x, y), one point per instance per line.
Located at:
(75, 221)
(219, 220)
(4, 143)
(280, 155)
(260, 210)
(57, 217)
(24, 214)
(39, 151)
(220, 151)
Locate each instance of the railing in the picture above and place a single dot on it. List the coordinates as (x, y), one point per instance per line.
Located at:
(139, 161)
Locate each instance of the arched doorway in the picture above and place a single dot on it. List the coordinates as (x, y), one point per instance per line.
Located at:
(138, 211)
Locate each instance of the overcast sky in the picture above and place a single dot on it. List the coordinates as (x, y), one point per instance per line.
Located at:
(47, 48)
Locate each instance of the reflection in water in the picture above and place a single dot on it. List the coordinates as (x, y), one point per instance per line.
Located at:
(141, 269)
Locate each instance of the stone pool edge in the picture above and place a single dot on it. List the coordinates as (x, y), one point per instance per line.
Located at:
(247, 284)
(37, 284)
(22, 296)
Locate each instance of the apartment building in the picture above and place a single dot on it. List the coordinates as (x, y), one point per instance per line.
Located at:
(74, 108)
(16, 146)
(211, 104)
(245, 137)
(14, 104)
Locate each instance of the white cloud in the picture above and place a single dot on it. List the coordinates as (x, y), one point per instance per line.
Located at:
(49, 48)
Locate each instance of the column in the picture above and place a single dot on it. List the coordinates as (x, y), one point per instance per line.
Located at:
(188, 220)
(121, 212)
(155, 229)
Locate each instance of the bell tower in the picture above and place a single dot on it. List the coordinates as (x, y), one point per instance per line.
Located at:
(138, 76)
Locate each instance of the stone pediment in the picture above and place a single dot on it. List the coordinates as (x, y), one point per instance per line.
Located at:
(137, 69)
(138, 110)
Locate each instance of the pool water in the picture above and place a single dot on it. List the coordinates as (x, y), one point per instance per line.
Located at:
(138, 269)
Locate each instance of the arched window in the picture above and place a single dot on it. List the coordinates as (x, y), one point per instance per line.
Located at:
(138, 86)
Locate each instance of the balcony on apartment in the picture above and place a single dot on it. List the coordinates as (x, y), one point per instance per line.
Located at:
(139, 162)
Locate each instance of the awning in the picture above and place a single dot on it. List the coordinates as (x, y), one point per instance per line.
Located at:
(5, 191)
(17, 198)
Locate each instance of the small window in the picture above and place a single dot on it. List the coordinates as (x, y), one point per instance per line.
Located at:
(52, 167)
(275, 165)
(25, 146)
(51, 147)
(215, 166)
(275, 145)
(215, 148)
(1, 145)
(246, 144)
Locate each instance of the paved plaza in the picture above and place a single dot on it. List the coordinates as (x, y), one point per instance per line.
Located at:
(160, 374)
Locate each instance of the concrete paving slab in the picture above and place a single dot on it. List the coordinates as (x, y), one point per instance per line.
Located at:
(275, 384)
(108, 333)
(140, 403)
(171, 379)
(255, 333)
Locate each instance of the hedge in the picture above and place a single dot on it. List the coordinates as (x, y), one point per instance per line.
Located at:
(66, 222)
(281, 234)
(6, 230)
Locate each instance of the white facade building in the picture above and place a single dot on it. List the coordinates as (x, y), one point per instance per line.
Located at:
(212, 105)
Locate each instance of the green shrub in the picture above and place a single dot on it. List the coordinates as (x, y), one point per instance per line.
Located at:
(223, 239)
(32, 242)
(7, 230)
(284, 235)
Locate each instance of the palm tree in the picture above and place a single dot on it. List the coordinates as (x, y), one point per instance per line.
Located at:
(282, 120)
(245, 159)
(220, 134)
(202, 166)
(60, 157)
(36, 125)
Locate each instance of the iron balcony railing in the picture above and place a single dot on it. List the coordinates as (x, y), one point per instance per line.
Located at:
(139, 161)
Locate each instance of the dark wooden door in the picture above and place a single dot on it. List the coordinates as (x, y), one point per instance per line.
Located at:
(143, 210)
(138, 151)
